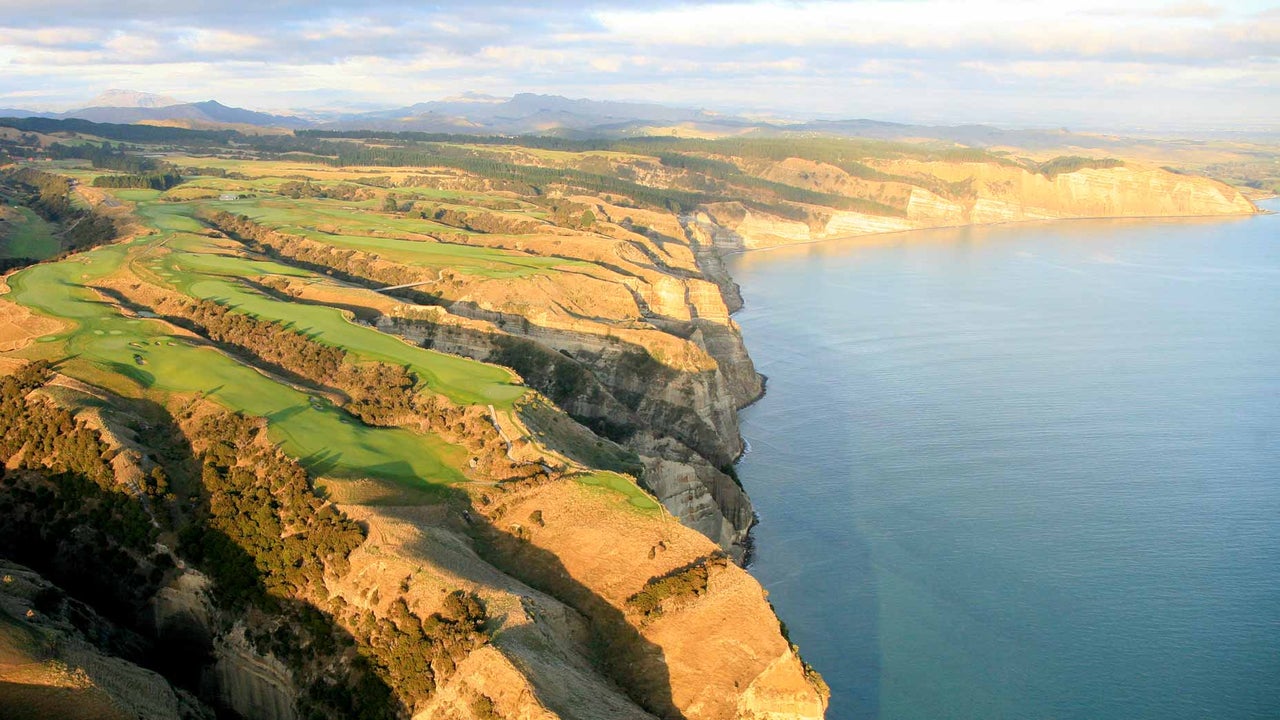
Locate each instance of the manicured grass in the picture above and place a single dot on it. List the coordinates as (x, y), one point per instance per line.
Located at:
(354, 230)
(136, 195)
(620, 484)
(165, 215)
(466, 259)
(27, 235)
(353, 216)
(104, 342)
(208, 276)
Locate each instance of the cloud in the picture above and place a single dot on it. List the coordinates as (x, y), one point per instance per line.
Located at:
(941, 28)
(801, 57)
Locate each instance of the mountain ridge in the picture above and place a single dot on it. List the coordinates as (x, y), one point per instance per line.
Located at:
(585, 118)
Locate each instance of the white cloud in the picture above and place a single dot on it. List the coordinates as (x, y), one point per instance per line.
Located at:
(905, 58)
(993, 27)
(222, 41)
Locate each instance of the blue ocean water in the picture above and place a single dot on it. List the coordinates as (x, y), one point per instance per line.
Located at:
(1024, 471)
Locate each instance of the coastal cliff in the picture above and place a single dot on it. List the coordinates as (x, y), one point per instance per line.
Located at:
(469, 450)
(968, 193)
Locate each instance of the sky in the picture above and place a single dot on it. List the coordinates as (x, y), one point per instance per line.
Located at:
(1119, 64)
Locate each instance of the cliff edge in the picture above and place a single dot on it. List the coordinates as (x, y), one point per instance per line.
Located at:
(925, 194)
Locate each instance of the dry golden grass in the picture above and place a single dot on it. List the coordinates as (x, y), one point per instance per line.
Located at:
(19, 326)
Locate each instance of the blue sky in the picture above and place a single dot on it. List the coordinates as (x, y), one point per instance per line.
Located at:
(1098, 64)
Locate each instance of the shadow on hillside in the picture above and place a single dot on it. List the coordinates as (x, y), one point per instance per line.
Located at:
(99, 548)
(637, 665)
(32, 701)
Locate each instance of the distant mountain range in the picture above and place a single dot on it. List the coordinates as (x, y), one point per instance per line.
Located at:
(127, 107)
(131, 98)
(528, 114)
(471, 114)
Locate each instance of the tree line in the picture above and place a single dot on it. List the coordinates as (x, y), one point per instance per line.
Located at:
(147, 181)
(49, 195)
(106, 157)
(376, 393)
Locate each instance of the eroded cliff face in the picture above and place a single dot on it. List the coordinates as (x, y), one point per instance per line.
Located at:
(682, 424)
(973, 193)
(691, 636)
(630, 334)
(54, 661)
(253, 684)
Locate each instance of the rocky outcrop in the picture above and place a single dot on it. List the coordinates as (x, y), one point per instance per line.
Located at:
(252, 684)
(50, 665)
(539, 663)
(706, 649)
(682, 424)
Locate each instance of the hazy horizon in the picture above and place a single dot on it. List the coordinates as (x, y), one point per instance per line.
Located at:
(1092, 65)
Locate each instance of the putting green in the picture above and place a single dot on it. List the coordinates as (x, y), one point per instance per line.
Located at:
(621, 484)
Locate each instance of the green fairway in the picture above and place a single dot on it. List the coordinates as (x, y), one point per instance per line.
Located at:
(620, 484)
(105, 342)
(354, 216)
(467, 259)
(27, 235)
(135, 355)
(354, 229)
(207, 276)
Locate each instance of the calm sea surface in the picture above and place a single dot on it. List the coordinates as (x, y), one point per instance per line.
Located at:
(1024, 472)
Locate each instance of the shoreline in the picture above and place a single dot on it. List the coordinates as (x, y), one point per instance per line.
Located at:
(1006, 223)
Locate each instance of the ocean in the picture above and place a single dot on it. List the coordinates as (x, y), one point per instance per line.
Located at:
(1027, 471)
